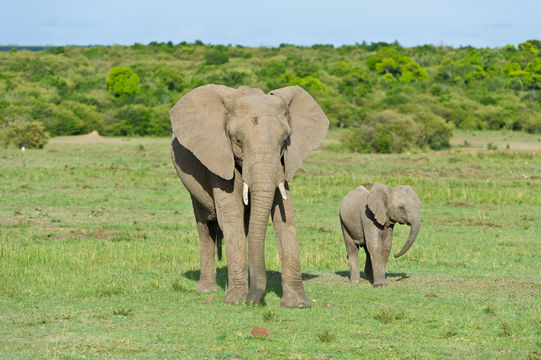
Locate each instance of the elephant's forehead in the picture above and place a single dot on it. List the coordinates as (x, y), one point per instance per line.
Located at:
(256, 104)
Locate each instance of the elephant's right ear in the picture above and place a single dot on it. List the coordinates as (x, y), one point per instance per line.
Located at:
(308, 124)
(198, 122)
(377, 202)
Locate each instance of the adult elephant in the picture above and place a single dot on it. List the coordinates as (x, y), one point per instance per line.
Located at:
(235, 150)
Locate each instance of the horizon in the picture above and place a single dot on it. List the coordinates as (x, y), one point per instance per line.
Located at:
(203, 43)
(462, 23)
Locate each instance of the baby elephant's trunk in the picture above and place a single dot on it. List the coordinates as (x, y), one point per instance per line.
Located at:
(415, 226)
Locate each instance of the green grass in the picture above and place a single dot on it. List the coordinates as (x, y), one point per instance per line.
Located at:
(99, 259)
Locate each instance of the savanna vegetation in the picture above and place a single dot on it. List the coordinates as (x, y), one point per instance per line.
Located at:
(99, 258)
(393, 97)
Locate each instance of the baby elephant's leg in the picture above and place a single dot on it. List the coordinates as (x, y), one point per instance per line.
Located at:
(353, 255)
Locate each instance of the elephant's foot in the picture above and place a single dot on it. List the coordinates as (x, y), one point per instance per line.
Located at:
(354, 280)
(206, 286)
(295, 298)
(235, 296)
(380, 283)
(254, 296)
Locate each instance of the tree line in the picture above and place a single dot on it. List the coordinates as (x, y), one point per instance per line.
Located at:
(391, 97)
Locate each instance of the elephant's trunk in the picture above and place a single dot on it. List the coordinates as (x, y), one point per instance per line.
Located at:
(262, 190)
(415, 226)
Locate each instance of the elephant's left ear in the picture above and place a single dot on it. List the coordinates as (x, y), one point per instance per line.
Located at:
(308, 126)
(377, 202)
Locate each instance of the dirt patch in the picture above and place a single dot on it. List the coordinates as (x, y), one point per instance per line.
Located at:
(104, 236)
(259, 331)
(62, 187)
(77, 235)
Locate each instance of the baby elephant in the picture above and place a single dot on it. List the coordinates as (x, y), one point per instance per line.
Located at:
(368, 218)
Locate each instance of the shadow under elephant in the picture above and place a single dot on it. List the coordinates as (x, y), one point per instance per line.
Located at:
(396, 276)
(274, 280)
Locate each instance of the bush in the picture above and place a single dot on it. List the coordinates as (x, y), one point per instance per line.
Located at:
(140, 120)
(31, 135)
(385, 132)
(354, 85)
(393, 132)
(234, 78)
(217, 55)
(170, 78)
(436, 133)
(533, 125)
(341, 113)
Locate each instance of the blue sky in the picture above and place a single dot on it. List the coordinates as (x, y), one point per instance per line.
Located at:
(270, 22)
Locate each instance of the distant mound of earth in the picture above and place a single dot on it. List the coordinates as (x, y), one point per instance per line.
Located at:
(93, 137)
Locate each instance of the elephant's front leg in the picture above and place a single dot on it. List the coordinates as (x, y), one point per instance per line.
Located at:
(230, 213)
(379, 248)
(283, 218)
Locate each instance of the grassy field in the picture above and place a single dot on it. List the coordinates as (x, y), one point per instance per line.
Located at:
(99, 258)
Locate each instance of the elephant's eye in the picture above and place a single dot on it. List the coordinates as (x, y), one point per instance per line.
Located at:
(401, 208)
(238, 140)
(284, 145)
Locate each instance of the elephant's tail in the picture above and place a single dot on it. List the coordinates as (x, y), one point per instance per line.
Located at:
(219, 241)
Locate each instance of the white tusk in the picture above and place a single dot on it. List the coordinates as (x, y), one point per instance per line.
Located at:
(282, 190)
(245, 193)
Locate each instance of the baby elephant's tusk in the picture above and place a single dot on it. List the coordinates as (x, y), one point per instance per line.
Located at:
(245, 194)
(282, 190)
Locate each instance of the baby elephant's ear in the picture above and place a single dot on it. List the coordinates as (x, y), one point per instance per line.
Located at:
(377, 202)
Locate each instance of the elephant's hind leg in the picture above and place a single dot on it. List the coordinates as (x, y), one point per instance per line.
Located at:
(368, 266)
(353, 254)
(207, 278)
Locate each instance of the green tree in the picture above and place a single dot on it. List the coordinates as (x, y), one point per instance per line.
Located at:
(122, 81)
(390, 61)
(532, 77)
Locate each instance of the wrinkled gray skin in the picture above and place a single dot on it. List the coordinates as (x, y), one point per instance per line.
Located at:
(368, 219)
(236, 146)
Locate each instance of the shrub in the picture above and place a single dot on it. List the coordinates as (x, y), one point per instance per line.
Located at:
(170, 78)
(270, 70)
(234, 78)
(217, 55)
(385, 132)
(64, 122)
(140, 120)
(340, 112)
(436, 132)
(393, 132)
(303, 67)
(122, 81)
(354, 85)
(533, 125)
(31, 135)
